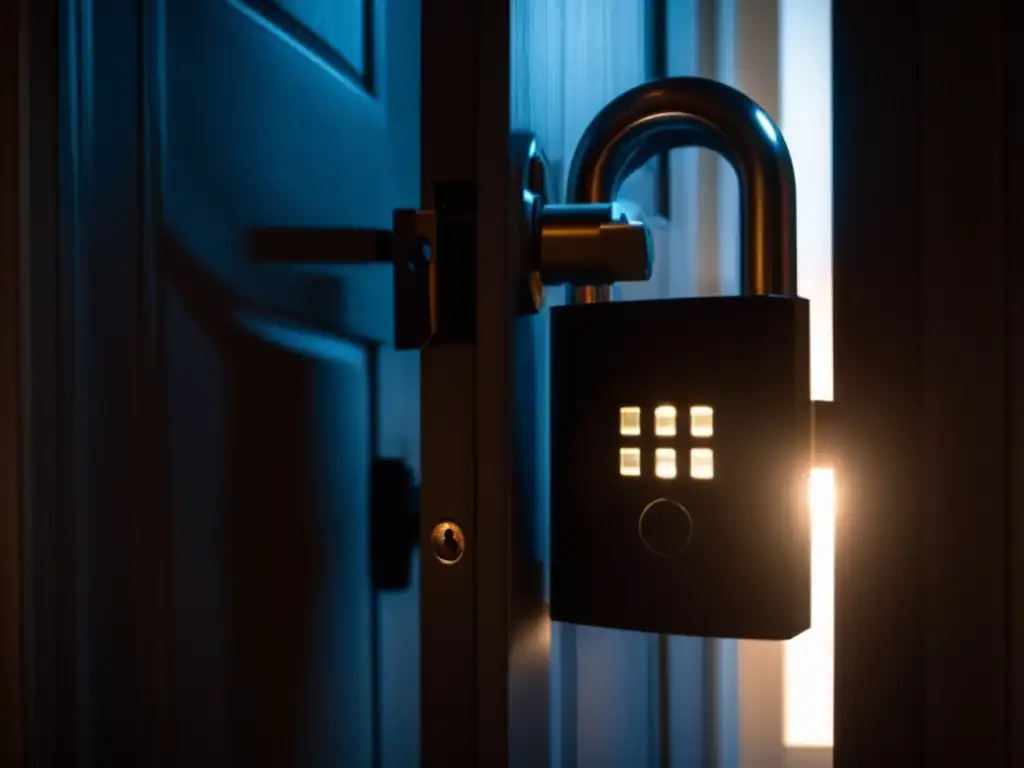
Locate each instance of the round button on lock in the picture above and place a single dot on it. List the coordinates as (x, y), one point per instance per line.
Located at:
(665, 527)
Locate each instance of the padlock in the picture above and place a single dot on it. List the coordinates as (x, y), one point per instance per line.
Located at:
(681, 431)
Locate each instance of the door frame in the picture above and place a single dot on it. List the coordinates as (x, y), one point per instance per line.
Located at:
(930, 528)
(484, 675)
(13, 86)
(74, 274)
(34, 653)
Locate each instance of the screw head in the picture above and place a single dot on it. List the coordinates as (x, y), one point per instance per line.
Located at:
(448, 542)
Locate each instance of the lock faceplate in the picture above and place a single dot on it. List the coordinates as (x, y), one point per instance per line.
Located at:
(696, 524)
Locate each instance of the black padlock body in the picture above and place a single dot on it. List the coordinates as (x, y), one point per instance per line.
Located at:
(736, 562)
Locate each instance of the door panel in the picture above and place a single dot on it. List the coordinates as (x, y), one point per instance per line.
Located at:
(282, 384)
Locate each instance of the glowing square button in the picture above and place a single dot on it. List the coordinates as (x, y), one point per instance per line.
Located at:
(702, 463)
(629, 420)
(702, 420)
(629, 462)
(665, 421)
(665, 463)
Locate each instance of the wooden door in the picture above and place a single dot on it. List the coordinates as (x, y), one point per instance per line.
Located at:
(282, 382)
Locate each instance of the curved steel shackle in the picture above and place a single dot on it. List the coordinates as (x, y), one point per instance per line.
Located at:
(695, 112)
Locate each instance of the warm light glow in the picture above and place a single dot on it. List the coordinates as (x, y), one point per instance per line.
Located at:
(702, 463)
(702, 420)
(809, 657)
(665, 421)
(806, 118)
(665, 463)
(629, 420)
(629, 462)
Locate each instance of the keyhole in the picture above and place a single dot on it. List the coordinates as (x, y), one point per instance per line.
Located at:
(448, 542)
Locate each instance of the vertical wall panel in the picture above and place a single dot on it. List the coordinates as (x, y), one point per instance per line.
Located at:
(805, 101)
(689, 687)
(570, 57)
(750, 674)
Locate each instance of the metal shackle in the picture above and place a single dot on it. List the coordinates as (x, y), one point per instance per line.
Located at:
(680, 112)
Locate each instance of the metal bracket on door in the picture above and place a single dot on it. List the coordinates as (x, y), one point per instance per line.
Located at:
(433, 253)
